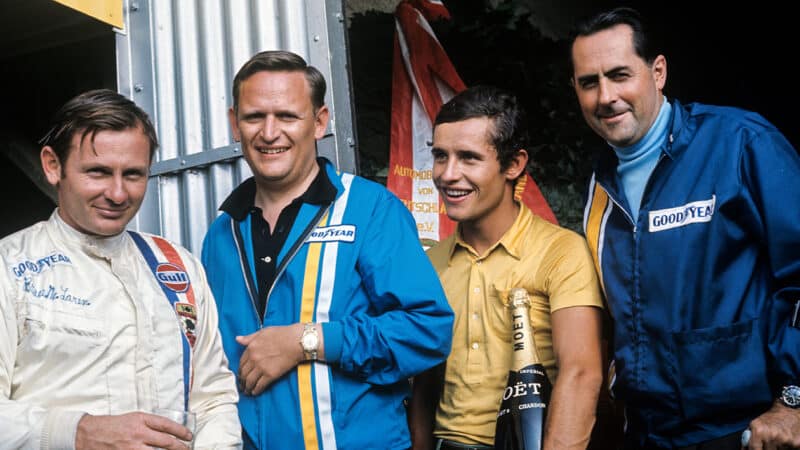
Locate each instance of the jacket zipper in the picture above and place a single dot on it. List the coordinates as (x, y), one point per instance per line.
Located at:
(670, 138)
(237, 237)
(292, 253)
(635, 223)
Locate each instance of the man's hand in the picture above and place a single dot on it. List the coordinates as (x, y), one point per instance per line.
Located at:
(136, 430)
(270, 353)
(777, 428)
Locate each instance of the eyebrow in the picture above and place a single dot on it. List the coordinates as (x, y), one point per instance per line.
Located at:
(608, 73)
(136, 170)
(458, 153)
(244, 115)
(249, 115)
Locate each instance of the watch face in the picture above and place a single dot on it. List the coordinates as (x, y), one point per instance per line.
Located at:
(791, 396)
(310, 342)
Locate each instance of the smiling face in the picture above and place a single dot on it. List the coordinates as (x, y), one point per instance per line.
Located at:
(102, 183)
(619, 93)
(278, 128)
(476, 192)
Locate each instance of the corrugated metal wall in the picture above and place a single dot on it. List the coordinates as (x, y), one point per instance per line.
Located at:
(177, 59)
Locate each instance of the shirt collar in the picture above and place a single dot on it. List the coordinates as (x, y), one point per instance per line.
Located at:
(653, 140)
(510, 241)
(605, 162)
(242, 200)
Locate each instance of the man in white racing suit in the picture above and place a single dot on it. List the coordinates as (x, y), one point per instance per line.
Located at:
(100, 327)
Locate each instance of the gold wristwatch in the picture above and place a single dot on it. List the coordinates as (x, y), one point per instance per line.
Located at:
(310, 341)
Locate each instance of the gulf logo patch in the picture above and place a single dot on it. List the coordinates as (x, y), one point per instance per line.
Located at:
(173, 277)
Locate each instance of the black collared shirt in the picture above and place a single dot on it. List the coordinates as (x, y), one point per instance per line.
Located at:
(267, 243)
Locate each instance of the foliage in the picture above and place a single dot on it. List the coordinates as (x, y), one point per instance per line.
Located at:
(487, 45)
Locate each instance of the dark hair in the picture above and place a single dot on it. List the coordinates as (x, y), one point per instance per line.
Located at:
(510, 131)
(93, 111)
(281, 61)
(642, 41)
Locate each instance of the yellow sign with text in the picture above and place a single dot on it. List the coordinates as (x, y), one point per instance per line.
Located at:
(108, 11)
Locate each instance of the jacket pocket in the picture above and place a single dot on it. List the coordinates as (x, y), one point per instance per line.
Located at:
(722, 371)
(53, 331)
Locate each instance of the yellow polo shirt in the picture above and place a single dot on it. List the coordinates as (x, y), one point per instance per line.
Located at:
(553, 264)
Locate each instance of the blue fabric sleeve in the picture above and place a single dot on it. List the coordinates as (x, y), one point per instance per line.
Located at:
(332, 337)
(408, 325)
(770, 171)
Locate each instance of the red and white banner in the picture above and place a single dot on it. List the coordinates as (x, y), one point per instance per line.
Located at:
(423, 79)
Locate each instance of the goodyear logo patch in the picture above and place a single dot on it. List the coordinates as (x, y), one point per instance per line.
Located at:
(173, 277)
(694, 212)
(340, 233)
(33, 267)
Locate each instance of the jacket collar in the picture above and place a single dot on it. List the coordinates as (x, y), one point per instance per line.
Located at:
(323, 190)
(105, 247)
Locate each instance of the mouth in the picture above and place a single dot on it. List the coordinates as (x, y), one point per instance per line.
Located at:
(272, 150)
(610, 116)
(111, 213)
(454, 194)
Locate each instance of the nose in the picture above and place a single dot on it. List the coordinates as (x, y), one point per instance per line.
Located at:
(116, 191)
(447, 171)
(606, 92)
(269, 129)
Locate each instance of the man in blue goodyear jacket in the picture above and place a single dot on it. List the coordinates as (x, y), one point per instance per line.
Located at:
(694, 223)
(327, 301)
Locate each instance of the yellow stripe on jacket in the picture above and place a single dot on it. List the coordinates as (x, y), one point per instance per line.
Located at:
(304, 375)
(595, 227)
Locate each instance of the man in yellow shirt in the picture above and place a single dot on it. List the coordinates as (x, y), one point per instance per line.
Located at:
(479, 141)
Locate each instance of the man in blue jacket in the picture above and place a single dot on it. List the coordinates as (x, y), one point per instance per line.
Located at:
(327, 302)
(694, 224)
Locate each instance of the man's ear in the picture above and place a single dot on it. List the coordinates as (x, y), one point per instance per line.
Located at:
(517, 164)
(321, 122)
(237, 136)
(51, 165)
(659, 69)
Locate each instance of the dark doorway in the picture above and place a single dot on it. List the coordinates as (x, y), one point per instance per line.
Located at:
(48, 54)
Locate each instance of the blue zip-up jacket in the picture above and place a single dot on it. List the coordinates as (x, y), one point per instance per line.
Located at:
(357, 267)
(702, 284)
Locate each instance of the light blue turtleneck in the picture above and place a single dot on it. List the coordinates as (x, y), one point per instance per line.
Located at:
(637, 162)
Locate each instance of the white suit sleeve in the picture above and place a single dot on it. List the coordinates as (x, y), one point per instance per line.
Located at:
(213, 396)
(25, 426)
